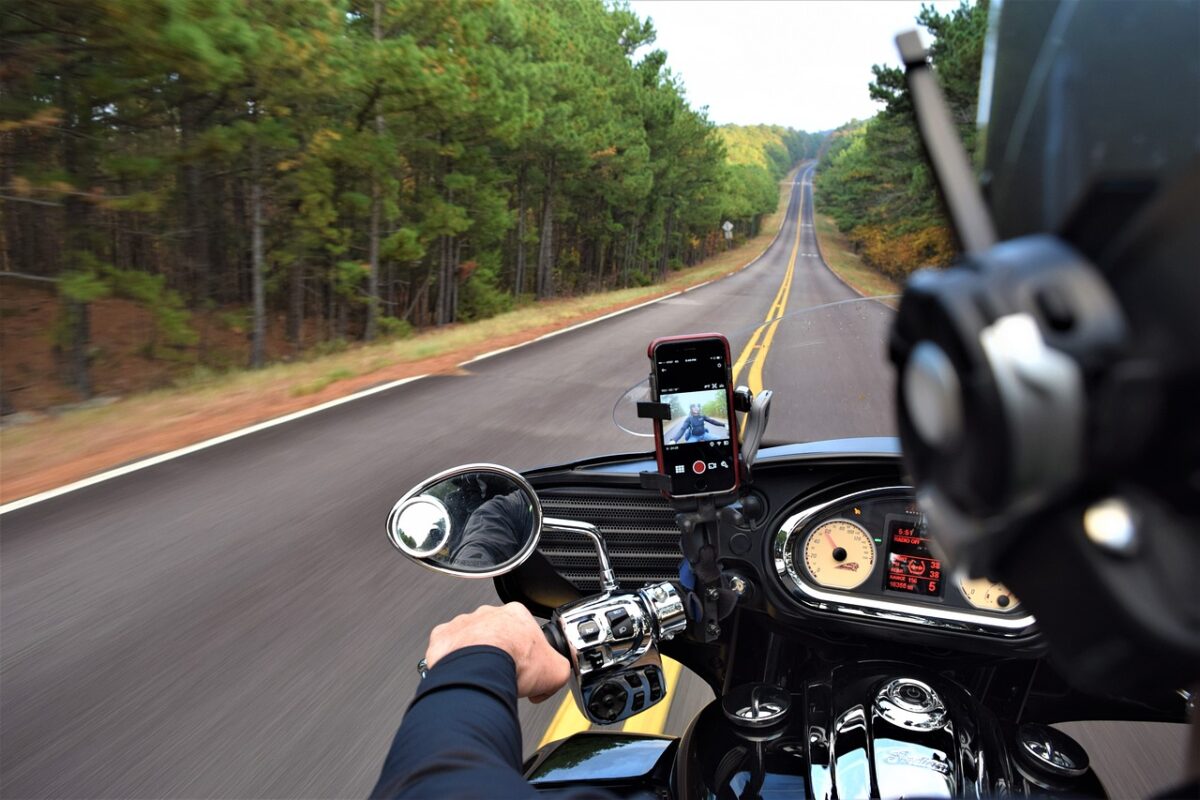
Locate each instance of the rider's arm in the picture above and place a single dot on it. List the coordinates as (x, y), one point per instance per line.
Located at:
(494, 533)
(461, 736)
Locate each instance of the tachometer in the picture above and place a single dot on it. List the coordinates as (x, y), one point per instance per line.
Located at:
(839, 554)
(988, 594)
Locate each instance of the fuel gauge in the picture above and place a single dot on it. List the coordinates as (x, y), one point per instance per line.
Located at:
(987, 594)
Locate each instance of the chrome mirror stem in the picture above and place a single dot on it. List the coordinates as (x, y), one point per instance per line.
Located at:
(608, 581)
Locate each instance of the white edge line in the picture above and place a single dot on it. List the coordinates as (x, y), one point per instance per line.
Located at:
(570, 328)
(295, 415)
(621, 311)
(821, 256)
(192, 448)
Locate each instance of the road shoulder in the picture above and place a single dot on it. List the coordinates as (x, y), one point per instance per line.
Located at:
(57, 452)
(847, 265)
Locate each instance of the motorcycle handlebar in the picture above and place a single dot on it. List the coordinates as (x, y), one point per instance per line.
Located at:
(554, 637)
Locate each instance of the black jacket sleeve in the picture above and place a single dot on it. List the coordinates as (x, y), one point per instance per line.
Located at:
(495, 532)
(461, 736)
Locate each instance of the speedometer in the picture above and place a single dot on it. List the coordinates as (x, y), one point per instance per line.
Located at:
(839, 554)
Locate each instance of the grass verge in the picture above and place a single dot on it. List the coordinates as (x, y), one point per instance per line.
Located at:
(67, 447)
(839, 254)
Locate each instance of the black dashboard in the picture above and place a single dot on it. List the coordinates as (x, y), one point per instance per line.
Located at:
(835, 544)
(869, 554)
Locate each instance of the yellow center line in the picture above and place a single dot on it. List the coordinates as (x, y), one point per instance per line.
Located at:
(764, 334)
(568, 719)
(759, 329)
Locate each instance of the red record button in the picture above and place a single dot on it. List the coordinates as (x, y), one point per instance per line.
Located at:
(698, 467)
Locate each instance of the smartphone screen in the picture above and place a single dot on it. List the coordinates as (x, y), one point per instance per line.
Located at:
(697, 446)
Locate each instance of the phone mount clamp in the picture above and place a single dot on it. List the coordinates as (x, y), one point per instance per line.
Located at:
(709, 598)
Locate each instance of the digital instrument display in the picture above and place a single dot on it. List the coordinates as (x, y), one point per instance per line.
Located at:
(696, 443)
(911, 568)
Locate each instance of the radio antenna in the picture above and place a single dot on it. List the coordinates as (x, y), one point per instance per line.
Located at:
(968, 212)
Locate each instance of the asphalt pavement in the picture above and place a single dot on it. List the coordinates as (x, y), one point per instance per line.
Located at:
(233, 623)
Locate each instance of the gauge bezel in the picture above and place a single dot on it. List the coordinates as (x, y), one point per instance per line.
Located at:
(846, 602)
(803, 548)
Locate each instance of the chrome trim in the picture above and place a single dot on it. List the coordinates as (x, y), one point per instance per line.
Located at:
(910, 613)
(497, 469)
(608, 579)
(911, 704)
(400, 508)
(665, 608)
(604, 659)
(1051, 751)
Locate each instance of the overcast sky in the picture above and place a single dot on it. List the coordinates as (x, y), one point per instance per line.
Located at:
(801, 64)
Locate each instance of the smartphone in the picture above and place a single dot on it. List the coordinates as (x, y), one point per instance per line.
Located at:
(698, 446)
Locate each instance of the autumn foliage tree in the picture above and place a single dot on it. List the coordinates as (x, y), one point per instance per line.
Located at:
(873, 179)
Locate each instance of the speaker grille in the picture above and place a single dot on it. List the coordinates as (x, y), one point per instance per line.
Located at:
(643, 542)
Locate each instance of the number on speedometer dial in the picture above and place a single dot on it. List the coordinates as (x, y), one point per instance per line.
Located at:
(839, 554)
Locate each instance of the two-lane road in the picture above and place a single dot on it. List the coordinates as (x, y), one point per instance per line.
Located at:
(233, 622)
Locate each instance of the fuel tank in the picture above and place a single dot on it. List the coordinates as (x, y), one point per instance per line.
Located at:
(871, 729)
(877, 729)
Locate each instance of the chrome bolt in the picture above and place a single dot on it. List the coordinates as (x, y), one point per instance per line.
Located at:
(711, 593)
(713, 629)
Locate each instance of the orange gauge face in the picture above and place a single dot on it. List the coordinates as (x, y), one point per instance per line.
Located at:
(988, 594)
(839, 554)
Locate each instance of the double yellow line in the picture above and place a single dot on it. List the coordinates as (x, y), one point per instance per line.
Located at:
(568, 719)
(756, 349)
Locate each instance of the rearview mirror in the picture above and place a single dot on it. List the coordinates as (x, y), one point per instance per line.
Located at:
(477, 521)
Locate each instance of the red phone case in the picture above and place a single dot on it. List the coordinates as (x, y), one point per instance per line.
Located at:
(733, 431)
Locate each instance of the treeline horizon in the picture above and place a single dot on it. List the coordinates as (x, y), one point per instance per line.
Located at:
(873, 177)
(360, 168)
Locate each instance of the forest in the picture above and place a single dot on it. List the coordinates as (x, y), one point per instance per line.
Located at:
(873, 178)
(352, 169)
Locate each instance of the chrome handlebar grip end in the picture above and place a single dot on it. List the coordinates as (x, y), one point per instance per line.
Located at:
(665, 609)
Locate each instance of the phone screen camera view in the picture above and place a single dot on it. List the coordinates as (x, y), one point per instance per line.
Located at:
(697, 445)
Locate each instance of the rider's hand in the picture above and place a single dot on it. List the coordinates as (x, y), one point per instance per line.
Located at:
(541, 671)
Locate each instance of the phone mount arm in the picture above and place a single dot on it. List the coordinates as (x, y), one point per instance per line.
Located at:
(648, 409)
(709, 599)
(758, 412)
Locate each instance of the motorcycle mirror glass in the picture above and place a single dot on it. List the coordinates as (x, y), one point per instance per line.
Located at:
(475, 521)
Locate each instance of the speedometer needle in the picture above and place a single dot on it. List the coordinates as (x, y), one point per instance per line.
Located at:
(839, 553)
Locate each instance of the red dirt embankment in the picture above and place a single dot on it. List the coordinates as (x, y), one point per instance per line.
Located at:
(66, 455)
